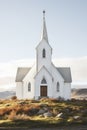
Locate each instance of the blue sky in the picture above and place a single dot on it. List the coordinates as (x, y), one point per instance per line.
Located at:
(20, 31)
(21, 23)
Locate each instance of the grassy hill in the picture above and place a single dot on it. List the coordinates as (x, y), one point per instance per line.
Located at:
(43, 113)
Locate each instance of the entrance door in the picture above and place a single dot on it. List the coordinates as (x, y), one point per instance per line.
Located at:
(43, 91)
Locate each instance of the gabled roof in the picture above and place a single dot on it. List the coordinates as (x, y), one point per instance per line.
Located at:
(21, 73)
(45, 69)
(41, 42)
(66, 73)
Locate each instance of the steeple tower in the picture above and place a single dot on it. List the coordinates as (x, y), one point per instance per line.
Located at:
(43, 50)
(44, 29)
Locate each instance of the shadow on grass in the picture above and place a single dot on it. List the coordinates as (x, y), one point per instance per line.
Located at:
(39, 124)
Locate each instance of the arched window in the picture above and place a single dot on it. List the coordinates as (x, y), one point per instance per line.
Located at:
(29, 87)
(43, 81)
(43, 53)
(57, 87)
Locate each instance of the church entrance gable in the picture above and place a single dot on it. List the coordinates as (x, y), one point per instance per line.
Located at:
(43, 83)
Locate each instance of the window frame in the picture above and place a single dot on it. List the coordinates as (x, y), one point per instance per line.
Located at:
(43, 81)
(57, 87)
(29, 87)
(44, 53)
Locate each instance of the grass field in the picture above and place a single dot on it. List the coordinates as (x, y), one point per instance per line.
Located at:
(31, 113)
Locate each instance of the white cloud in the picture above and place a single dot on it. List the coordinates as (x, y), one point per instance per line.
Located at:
(8, 87)
(8, 73)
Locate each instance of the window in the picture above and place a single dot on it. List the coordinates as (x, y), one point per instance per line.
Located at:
(29, 87)
(44, 53)
(57, 87)
(43, 81)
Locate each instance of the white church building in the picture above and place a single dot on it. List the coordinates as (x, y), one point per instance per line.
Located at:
(43, 79)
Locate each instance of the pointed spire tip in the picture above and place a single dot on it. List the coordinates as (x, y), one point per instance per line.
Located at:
(44, 30)
(43, 11)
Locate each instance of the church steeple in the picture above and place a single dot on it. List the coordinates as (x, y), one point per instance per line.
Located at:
(43, 50)
(44, 29)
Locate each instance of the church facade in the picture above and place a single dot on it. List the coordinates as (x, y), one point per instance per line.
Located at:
(43, 79)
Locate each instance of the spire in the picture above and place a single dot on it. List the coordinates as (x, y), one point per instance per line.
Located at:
(44, 30)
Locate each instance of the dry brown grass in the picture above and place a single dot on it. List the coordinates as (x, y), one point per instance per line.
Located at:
(4, 111)
(28, 109)
(13, 116)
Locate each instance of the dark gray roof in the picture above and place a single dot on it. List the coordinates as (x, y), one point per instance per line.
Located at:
(66, 73)
(21, 73)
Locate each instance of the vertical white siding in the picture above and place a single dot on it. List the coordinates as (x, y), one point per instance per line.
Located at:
(43, 61)
(19, 90)
(57, 78)
(27, 79)
(67, 91)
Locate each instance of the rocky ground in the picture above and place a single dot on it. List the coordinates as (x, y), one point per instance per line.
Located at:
(43, 113)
